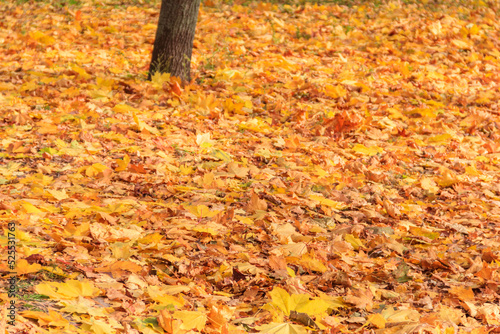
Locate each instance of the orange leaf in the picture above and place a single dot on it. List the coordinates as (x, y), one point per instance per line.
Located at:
(256, 204)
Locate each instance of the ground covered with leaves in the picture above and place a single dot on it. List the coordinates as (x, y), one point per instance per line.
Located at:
(330, 168)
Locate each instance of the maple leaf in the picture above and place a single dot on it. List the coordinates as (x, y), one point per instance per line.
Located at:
(282, 328)
(256, 204)
(23, 267)
(158, 79)
(201, 211)
(50, 318)
(191, 319)
(67, 290)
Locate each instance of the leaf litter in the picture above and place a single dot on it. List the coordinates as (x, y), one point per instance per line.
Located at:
(331, 168)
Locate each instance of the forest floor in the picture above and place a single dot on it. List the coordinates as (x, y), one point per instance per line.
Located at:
(329, 169)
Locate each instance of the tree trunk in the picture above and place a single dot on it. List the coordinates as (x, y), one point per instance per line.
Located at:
(174, 38)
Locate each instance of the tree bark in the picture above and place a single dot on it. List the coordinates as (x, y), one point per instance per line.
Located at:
(174, 38)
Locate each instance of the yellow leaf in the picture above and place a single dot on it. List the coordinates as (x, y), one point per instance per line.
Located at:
(58, 194)
(158, 79)
(59, 272)
(95, 169)
(121, 250)
(229, 74)
(48, 129)
(313, 307)
(395, 114)
(83, 306)
(101, 95)
(70, 92)
(186, 170)
(256, 125)
(281, 299)
(38, 178)
(284, 230)
(169, 300)
(207, 181)
(472, 171)
(156, 292)
(201, 229)
(310, 262)
(191, 319)
(320, 172)
(362, 149)
(377, 320)
(170, 325)
(42, 38)
(81, 72)
(104, 83)
(405, 70)
(152, 238)
(327, 202)
(30, 208)
(463, 293)
(435, 75)
(101, 327)
(221, 155)
(284, 328)
(392, 315)
(482, 158)
(23, 267)
(333, 302)
(335, 92)
(6, 86)
(124, 108)
(67, 290)
(425, 112)
(203, 140)
(441, 139)
(122, 163)
(175, 289)
(47, 290)
(240, 172)
(51, 319)
(460, 44)
(355, 242)
(184, 188)
(29, 86)
(448, 177)
(429, 185)
(474, 30)
(201, 211)
(296, 250)
(244, 220)
(140, 124)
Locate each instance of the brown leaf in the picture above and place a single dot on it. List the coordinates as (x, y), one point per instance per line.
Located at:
(256, 204)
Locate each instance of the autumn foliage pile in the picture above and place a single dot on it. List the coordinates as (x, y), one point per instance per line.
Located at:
(330, 168)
